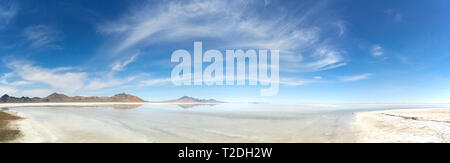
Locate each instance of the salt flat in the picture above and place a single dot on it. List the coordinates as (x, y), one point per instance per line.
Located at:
(404, 126)
(102, 122)
(171, 123)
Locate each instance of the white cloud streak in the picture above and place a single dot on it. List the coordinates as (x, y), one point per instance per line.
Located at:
(62, 79)
(322, 59)
(67, 81)
(119, 66)
(8, 11)
(376, 50)
(7, 90)
(157, 81)
(41, 35)
(356, 77)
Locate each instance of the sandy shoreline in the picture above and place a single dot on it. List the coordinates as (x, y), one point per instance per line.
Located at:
(30, 131)
(404, 126)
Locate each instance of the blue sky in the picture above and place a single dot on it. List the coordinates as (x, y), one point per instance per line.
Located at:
(341, 51)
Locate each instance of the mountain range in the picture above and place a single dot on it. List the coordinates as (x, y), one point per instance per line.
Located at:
(123, 97)
(56, 97)
(191, 100)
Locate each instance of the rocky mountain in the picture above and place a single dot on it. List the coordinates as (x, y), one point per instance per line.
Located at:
(56, 97)
(8, 99)
(126, 98)
(191, 100)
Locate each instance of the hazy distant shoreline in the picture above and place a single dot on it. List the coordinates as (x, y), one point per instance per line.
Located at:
(7, 105)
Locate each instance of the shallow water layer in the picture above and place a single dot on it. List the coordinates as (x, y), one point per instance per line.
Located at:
(204, 123)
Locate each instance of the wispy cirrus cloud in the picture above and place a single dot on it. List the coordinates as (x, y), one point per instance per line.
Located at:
(8, 10)
(322, 59)
(120, 65)
(156, 81)
(298, 81)
(356, 77)
(41, 35)
(7, 90)
(20, 83)
(395, 14)
(234, 24)
(376, 50)
(341, 26)
(61, 80)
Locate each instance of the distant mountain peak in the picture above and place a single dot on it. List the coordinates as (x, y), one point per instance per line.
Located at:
(56, 95)
(122, 94)
(187, 99)
(126, 97)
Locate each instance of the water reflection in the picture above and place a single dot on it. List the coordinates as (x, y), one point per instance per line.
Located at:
(113, 106)
(127, 106)
(190, 106)
(207, 123)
